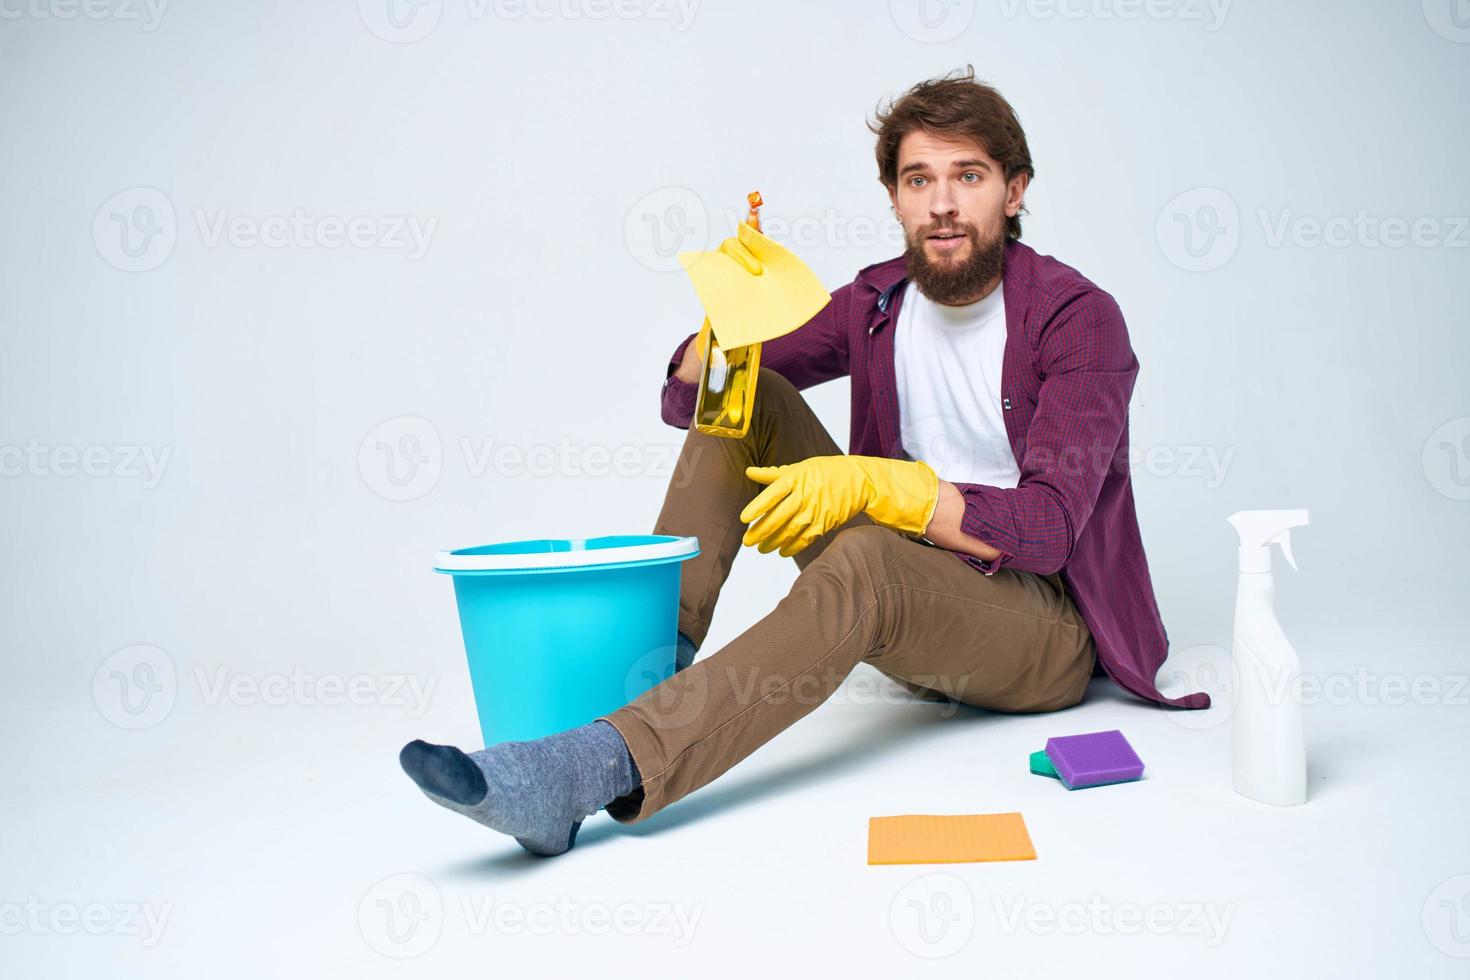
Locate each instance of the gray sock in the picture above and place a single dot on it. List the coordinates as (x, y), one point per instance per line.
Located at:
(538, 792)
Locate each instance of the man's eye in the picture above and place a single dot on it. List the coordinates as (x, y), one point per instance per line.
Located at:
(971, 173)
(914, 181)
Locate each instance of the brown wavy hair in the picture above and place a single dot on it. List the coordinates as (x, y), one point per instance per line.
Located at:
(954, 106)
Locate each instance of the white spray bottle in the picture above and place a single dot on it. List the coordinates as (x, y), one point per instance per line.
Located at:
(1269, 749)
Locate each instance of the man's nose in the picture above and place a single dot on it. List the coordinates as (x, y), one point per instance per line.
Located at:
(943, 203)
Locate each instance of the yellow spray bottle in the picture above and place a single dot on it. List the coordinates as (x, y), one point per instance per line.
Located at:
(727, 376)
(753, 290)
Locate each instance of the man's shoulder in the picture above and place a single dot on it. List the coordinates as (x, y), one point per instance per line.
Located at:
(1045, 284)
(881, 276)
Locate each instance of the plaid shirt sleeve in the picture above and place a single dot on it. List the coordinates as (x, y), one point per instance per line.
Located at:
(812, 353)
(1088, 369)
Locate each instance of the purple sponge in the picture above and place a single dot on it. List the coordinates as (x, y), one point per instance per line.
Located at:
(1094, 759)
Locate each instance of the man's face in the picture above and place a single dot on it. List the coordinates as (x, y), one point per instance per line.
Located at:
(953, 201)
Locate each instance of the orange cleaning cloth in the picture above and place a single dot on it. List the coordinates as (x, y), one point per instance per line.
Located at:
(930, 839)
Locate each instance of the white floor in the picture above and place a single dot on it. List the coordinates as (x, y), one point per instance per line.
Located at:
(248, 839)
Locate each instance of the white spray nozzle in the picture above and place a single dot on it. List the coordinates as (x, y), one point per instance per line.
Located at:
(1259, 529)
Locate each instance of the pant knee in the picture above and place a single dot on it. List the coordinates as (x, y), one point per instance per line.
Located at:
(857, 556)
(773, 392)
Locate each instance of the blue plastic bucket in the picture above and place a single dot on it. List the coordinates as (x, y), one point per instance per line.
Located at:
(560, 631)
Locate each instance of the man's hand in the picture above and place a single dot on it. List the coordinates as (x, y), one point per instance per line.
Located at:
(693, 359)
(803, 501)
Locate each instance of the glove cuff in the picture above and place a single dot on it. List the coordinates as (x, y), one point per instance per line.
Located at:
(906, 495)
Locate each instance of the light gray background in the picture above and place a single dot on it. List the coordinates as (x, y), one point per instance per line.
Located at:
(557, 156)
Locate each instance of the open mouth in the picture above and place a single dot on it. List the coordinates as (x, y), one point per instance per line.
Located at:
(947, 239)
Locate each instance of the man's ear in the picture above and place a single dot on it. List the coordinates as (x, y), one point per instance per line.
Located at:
(892, 190)
(1016, 194)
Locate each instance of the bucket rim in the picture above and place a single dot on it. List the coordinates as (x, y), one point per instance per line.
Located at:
(544, 553)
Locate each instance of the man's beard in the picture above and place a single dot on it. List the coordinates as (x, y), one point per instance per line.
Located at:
(957, 283)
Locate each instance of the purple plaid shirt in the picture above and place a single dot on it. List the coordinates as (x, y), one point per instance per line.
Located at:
(1067, 376)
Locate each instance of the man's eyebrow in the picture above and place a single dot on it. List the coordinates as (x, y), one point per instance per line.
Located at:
(957, 165)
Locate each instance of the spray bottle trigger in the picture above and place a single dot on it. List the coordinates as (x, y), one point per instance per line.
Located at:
(1284, 539)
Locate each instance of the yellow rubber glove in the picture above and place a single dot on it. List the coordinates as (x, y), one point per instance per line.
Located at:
(803, 501)
(753, 289)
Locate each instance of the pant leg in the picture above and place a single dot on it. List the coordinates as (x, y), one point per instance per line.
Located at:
(1012, 641)
(709, 489)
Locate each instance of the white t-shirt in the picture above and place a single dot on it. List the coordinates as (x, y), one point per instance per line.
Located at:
(947, 360)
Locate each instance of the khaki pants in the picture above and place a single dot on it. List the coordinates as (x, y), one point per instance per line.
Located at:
(1012, 641)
